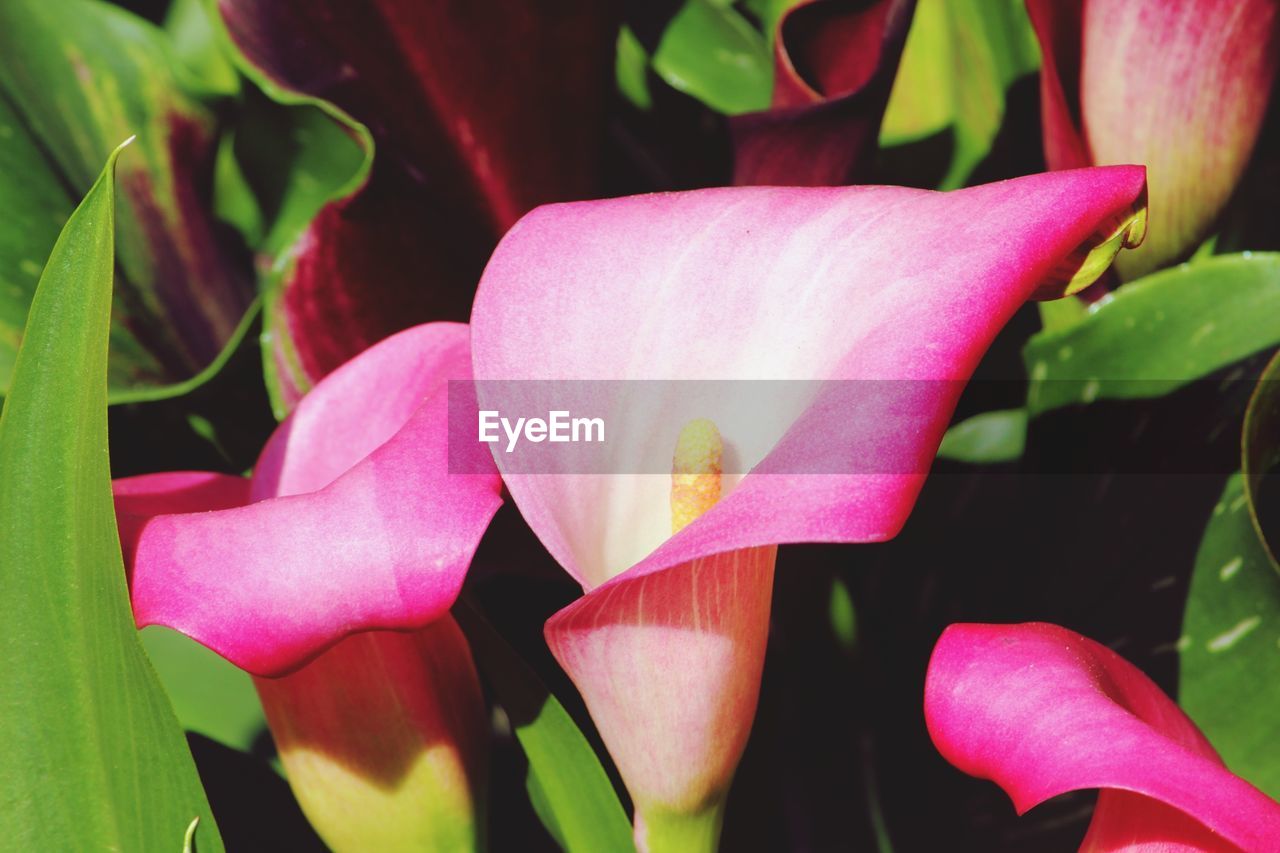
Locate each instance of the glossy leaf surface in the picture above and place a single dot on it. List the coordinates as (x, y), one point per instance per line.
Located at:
(93, 754)
(1157, 334)
(76, 77)
(570, 789)
(464, 127)
(1229, 672)
(960, 58)
(1261, 452)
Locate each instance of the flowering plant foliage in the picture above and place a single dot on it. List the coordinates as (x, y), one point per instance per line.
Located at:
(596, 426)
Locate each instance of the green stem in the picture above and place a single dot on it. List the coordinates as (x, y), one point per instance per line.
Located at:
(660, 830)
(883, 842)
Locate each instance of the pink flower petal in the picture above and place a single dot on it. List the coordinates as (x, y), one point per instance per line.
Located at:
(835, 63)
(856, 283)
(140, 498)
(859, 283)
(1179, 86)
(1041, 711)
(358, 523)
(693, 640)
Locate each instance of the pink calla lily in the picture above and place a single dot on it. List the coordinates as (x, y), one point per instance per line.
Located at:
(835, 62)
(351, 524)
(836, 284)
(1179, 85)
(1041, 711)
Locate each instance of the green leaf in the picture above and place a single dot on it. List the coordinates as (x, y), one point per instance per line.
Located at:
(1229, 666)
(296, 153)
(210, 695)
(1159, 333)
(543, 807)
(710, 52)
(843, 616)
(998, 436)
(195, 43)
(76, 77)
(570, 790)
(1260, 450)
(297, 156)
(631, 69)
(93, 755)
(297, 159)
(151, 394)
(234, 201)
(1057, 314)
(959, 59)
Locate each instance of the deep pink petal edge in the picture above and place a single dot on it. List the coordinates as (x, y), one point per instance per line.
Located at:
(358, 523)
(1042, 710)
(140, 498)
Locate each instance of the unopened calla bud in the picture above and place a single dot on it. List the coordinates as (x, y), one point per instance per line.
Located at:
(673, 686)
(1180, 86)
(383, 739)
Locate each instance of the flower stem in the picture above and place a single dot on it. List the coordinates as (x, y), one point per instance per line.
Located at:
(660, 830)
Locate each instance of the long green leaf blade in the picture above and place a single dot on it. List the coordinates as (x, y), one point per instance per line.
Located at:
(93, 756)
(570, 790)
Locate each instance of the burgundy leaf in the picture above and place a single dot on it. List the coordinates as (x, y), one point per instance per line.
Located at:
(479, 111)
(835, 64)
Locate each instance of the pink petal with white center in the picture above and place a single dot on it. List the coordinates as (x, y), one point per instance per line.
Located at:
(877, 301)
(831, 284)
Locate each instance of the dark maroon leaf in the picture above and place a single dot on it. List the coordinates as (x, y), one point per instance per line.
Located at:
(835, 64)
(479, 111)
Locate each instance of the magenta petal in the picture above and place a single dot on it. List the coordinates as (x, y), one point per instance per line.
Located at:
(669, 667)
(835, 61)
(140, 498)
(357, 523)
(365, 402)
(846, 283)
(1041, 711)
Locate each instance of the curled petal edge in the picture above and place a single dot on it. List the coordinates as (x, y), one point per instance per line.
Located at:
(384, 545)
(1042, 710)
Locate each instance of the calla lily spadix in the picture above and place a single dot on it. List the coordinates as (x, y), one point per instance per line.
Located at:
(351, 531)
(835, 61)
(901, 288)
(1179, 85)
(1041, 711)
